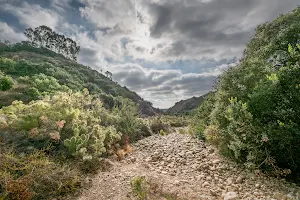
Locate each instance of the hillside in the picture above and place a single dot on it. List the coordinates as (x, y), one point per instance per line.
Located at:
(186, 106)
(22, 60)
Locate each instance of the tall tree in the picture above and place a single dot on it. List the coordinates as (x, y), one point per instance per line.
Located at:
(44, 36)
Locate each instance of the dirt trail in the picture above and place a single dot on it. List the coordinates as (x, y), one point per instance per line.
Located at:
(187, 168)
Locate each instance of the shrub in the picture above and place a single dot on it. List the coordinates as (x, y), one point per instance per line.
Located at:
(34, 176)
(68, 119)
(162, 133)
(256, 109)
(33, 93)
(181, 131)
(263, 131)
(200, 119)
(139, 187)
(6, 82)
(127, 121)
(157, 125)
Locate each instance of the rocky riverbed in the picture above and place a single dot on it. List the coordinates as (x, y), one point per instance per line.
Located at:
(185, 168)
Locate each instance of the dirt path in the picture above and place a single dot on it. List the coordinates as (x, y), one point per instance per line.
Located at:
(187, 168)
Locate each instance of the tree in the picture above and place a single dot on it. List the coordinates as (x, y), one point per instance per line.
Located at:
(45, 37)
(108, 75)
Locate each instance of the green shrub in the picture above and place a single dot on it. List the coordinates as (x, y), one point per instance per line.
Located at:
(157, 125)
(181, 131)
(33, 93)
(6, 82)
(256, 109)
(69, 117)
(139, 187)
(34, 176)
(162, 133)
(200, 119)
(127, 121)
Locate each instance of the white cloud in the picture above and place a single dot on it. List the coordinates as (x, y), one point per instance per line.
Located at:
(32, 15)
(163, 87)
(9, 33)
(60, 5)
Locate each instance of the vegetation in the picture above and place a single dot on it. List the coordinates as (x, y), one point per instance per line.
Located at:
(139, 187)
(186, 107)
(144, 188)
(6, 82)
(59, 119)
(43, 36)
(32, 67)
(254, 115)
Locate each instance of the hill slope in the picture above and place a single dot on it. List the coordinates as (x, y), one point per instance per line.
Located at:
(21, 60)
(186, 106)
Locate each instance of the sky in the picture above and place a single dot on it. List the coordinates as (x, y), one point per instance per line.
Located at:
(164, 50)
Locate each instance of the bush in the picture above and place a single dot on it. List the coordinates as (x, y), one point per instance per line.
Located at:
(200, 119)
(256, 111)
(6, 82)
(127, 121)
(34, 176)
(157, 125)
(69, 120)
(139, 187)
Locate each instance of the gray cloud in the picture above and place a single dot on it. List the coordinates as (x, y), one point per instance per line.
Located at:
(215, 27)
(116, 35)
(163, 87)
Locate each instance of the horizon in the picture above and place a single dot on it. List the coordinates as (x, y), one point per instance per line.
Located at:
(165, 51)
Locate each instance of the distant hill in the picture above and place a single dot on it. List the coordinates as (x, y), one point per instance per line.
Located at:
(185, 106)
(22, 61)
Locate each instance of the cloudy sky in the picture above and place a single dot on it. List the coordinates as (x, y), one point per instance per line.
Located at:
(165, 50)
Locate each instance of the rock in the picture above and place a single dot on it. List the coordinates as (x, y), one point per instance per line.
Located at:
(231, 196)
(211, 151)
(239, 179)
(229, 181)
(214, 193)
(205, 184)
(217, 161)
(133, 159)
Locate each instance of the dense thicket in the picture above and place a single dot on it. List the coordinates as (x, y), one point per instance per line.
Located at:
(255, 113)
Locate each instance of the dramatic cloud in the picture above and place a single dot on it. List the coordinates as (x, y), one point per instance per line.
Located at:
(31, 15)
(165, 50)
(8, 33)
(169, 85)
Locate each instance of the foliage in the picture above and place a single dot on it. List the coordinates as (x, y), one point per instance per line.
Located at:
(254, 117)
(139, 187)
(150, 188)
(45, 37)
(157, 125)
(162, 133)
(200, 119)
(34, 176)
(24, 60)
(6, 82)
(186, 107)
(69, 117)
(127, 121)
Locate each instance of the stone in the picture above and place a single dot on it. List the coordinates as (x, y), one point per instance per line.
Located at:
(229, 181)
(239, 179)
(231, 196)
(205, 184)
(214, 193)
(211, 151)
